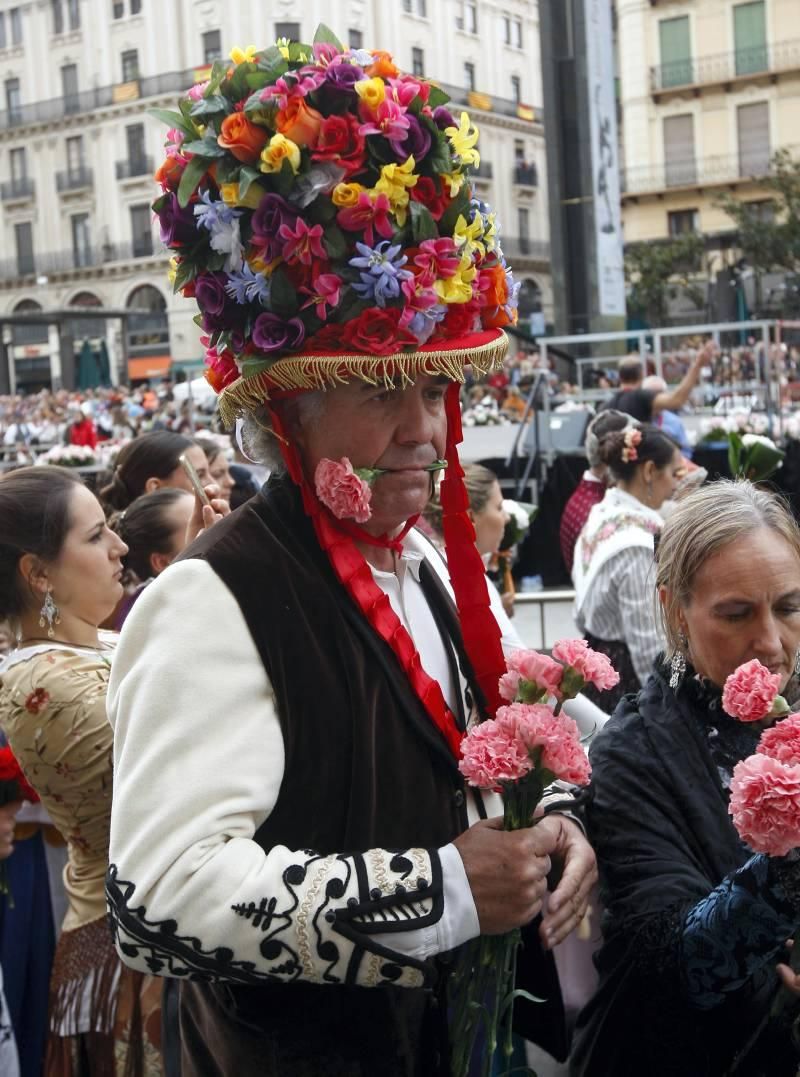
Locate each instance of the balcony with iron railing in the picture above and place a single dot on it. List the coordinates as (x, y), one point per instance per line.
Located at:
(135, 167)
(724, 68)
(15, 190)
(526, 175)
(74, 179)
(521, 247)
(695, 173)
(173, 83)
(50, 263)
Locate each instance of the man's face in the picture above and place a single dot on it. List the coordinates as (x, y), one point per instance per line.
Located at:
(403, 430)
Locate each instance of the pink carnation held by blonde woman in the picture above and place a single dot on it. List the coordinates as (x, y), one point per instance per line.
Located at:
(765, 804)
(751, 693)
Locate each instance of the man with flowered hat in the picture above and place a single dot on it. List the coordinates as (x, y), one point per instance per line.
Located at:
(290, 826)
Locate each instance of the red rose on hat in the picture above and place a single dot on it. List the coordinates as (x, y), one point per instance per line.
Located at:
(377, 332)
(341, 142)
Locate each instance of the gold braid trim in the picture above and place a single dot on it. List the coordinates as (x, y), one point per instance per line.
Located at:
(327, 371)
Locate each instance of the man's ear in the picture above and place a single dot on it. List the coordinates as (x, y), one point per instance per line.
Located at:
(152, 484)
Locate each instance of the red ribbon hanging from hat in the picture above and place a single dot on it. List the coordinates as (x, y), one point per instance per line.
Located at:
(353, 572)
(479, 627)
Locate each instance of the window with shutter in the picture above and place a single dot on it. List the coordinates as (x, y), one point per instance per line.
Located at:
(680, 165)
(676, 52)
(750, 37)
(752, 123)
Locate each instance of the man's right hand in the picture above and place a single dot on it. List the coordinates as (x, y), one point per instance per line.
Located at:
(507, 873)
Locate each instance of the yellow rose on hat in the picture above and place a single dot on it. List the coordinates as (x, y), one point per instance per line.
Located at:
(277, 150)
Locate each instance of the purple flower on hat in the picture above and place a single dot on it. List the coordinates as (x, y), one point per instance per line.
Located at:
(381, 271)
(209, 291)
(341, 78)
(272, 212)
(443, 117)
(177, 225)
(417, 142)
(272, 334)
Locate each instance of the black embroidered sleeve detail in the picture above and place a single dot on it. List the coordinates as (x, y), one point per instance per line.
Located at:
(323, 924)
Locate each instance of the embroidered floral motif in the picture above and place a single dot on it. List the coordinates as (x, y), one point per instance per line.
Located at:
(627, 519)
(37, 701)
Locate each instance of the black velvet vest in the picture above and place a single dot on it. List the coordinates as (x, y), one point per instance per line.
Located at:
(365, 766)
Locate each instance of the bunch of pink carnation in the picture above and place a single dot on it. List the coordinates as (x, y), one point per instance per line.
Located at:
(542, 674)
(554, 736)
(590, 666)
(492, 754)
(751, 693)
(782, 740)
(765, 804)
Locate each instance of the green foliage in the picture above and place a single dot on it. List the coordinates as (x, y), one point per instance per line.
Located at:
(326, 36)
(755, 461)
(771, 245)
(658, 272)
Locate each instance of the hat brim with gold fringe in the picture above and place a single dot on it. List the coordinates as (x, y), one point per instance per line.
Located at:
(483, 351)
(319, 206)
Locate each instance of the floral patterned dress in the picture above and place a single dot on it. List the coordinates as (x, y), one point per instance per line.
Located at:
(104, 1019)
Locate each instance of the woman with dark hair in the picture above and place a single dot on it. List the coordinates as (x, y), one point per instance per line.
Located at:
(612, 570)
(60, 577)
(150, 462)
(218, 466)
(155, 530)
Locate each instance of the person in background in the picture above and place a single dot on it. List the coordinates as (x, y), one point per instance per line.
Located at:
(150, 462)
(154, 528)
(642, 404)
(613, 566)
(668, 421)
(81, 429)
(218, 466)
(60, 576)
(695, 927)
(592, 487)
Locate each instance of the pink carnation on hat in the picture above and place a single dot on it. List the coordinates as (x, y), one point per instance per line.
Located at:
(782, 740)
(750, 692)
(342, 491)
(492, 754)
(765, 804)
(594, 667)
(555, 736)
(538, 669)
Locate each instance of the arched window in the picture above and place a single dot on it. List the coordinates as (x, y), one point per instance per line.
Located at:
(83, 328)
(530, 298)
(26, 333)
(148, 328)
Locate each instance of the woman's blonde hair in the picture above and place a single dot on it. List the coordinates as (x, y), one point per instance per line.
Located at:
(478, 482)
(702, 524)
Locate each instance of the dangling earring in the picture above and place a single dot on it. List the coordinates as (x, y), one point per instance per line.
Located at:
(49, 613)
(677, 666)
(797, 662)
(649, 491)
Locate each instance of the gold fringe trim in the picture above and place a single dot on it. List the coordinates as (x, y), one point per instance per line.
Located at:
(327, 371)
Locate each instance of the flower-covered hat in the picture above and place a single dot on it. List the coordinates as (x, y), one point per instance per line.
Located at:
(320, 211)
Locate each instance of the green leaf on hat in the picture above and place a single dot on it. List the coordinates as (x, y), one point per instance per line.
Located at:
(423, 226)
(299, 53)
(247, 177)
(283, 181)
(174, 119)
(235, 87)
(192, 174)
(209, 106)
(251, 367)
(335, 243)
(325, 36)
(437, 97)
(440, 159)
(204, 147)
(283, 296)
(272, 63)
(185, 272)
(228, 169)
(219, 71)
(457, 207)
(258, 80)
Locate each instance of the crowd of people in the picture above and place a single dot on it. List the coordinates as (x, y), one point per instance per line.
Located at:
(244, 724)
